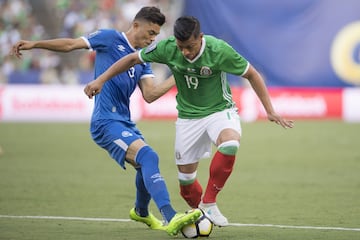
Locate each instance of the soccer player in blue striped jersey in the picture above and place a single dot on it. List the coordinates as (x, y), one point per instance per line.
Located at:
(206, 111)
(111, 124)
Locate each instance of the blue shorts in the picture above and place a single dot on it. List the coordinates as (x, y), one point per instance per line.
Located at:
(115, 137)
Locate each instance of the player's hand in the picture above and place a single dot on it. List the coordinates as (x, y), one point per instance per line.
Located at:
(273, 117)
(20, 45)
(92, 88)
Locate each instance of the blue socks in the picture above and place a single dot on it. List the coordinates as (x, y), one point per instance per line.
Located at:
(152, 184)
(142, 195)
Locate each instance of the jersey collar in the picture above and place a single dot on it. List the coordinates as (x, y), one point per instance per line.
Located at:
(203, 43)
(127, 40)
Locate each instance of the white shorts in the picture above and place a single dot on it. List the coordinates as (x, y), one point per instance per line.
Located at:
(194, 136)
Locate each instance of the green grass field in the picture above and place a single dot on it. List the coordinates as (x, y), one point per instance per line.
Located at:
(301, 183)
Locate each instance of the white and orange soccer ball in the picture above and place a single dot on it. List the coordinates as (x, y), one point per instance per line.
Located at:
(201, 228)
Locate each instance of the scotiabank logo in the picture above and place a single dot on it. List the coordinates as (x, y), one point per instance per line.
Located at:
(305, 106)
(307, 103)
(292, 103)
(44, 103)
(36, 103)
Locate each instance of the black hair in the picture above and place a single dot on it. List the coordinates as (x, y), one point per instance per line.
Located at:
(185, 27)
(151, 14)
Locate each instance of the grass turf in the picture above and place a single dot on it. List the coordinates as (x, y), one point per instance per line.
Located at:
(306, 176)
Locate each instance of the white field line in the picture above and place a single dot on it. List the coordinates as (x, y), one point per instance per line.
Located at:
(68, 218)
(294, 227)
(231, 224)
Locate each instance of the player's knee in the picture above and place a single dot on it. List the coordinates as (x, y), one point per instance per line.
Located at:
(147, 155)
(229, 147)
(186, 178)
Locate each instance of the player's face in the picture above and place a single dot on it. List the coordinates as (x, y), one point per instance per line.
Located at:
(191, 47)
(146, 33)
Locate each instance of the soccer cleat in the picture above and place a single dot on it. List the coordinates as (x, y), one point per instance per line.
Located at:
(182, 219)
(149, 220)
(212, 211)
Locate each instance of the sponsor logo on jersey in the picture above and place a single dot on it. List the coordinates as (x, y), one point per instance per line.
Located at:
(178, 155)
(151, 47)
(205, 71)
(126, 134)
(121, 48)
(192, 70)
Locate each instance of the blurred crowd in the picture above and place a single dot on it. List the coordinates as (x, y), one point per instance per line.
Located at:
(33, 19)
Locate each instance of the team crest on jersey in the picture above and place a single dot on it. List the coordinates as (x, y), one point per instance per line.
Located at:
(151, 47)
(126, 134)
(177, 155)
(205, 71)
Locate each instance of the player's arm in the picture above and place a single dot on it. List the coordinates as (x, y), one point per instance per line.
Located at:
(58, 45)
(261, 91)
(95, 86)
(152, 91)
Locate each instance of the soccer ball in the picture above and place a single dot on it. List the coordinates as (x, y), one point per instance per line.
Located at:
(201, 228)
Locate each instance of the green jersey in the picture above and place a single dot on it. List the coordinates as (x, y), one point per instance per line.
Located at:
(201, 83)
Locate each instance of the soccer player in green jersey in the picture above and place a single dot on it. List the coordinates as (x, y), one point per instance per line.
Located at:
(206, 112)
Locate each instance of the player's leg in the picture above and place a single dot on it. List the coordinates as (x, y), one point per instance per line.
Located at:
(225, 130)
(122, 141)
(190, 188)
(148, 160)
(220, 169)
(191, 144)
(153, 183)
(127, 142)
(221, 165)
(142, 195)
(141, 212)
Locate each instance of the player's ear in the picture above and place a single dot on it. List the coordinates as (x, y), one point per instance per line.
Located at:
(201, 35)
(135, 24)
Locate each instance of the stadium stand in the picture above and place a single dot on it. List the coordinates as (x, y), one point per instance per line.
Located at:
(30, 19)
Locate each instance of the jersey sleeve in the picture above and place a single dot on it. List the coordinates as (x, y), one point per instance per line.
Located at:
(99, 39)
(232, 62)
(147, 71)
(154, 53)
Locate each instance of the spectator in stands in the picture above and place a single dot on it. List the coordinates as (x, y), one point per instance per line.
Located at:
(17, 19)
